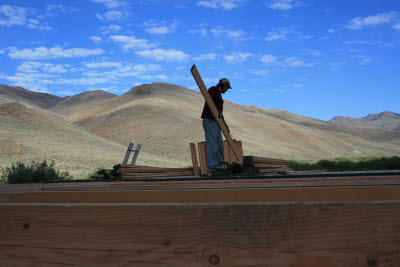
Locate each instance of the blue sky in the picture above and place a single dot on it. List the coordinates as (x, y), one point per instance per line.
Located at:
(320, 59)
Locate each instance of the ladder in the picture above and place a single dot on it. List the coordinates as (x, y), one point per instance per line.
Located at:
(128, 153)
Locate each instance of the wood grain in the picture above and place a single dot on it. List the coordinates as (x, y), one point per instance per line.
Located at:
(195, 162)
(174, 235)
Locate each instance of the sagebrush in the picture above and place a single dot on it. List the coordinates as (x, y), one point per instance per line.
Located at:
(34, 172)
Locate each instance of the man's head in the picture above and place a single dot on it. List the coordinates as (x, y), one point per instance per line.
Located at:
(224, 85)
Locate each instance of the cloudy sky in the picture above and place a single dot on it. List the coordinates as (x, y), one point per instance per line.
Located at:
(317, 58)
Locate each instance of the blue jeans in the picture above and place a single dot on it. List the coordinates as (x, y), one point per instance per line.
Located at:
(214, 144)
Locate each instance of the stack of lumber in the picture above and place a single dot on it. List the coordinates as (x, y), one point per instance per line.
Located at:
(126, 171)
(267, 166)
(311, 221)
(254, 166)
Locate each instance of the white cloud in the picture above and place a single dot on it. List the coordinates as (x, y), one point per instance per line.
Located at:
(287, 62)
(111, 28)
(201, 31)
(209, 56)
(225, 4)
(269, 59)
(51, 9)
(96, 39)
(272, 36)
(297, 85)
(279, 91)
(31, 81)
(34, 67)
(111, 15)
(378, 19)
(14, 15)
(331, 30)
(163, 54)
(153, 27)
(2, 52)
(111, 3)
(281, 4)
(103, 64)
(221, 32)
(259, 72)
(130, 42)
(312, 52)
(54, 52)
(397, 26)
(237, 57)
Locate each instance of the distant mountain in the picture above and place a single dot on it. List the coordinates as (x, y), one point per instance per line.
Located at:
(384, 120)
(71, 106)
(28, 98)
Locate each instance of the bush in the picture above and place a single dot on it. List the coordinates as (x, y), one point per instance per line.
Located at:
(348, 164)
(33, 173)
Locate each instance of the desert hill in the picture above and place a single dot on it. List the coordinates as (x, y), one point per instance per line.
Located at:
(70, 106)
(93, 129)
(165, 118)
(28, 98)
(384, 120)
(35, 134)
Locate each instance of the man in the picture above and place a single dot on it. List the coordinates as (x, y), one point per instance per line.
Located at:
(214, 143)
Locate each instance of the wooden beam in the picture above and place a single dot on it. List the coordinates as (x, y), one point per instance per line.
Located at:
(203, 157)
(214, 111)
(195, 162)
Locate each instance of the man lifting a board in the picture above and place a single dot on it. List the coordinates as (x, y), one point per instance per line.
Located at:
(214, 143)
(214, 123)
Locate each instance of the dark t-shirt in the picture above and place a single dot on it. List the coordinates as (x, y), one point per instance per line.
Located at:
(218, 101)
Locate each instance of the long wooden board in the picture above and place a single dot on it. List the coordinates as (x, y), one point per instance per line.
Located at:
(214, 111)
(299, 234)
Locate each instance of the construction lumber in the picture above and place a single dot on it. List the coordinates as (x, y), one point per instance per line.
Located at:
(203, 157)
(303, 222)
(214, 111)
(195, 162)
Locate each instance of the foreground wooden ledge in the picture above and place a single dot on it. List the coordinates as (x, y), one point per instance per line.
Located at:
(318, 221)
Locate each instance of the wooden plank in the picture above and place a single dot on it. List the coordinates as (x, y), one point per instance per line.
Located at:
(150, 175)
(300, 234)
(240, 147)
(199, 195)
(209, 184)
(144, 170)
(262, 165)
(195, 162)
(214, 110)
(227, 156)
(203, 157)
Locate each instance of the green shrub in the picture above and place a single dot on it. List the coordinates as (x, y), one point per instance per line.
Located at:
(33, 173)
(348, 164)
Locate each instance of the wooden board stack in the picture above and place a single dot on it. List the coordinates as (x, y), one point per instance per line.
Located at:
(268, 166)
(126, 171)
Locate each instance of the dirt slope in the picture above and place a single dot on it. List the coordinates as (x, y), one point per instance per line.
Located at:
(27, 134)
(165, 118)
(71, 106)
(28, 98)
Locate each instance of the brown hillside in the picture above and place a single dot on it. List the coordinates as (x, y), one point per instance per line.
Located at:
(70, 106)
(165, 118)
(28, 98)
(27, 134)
